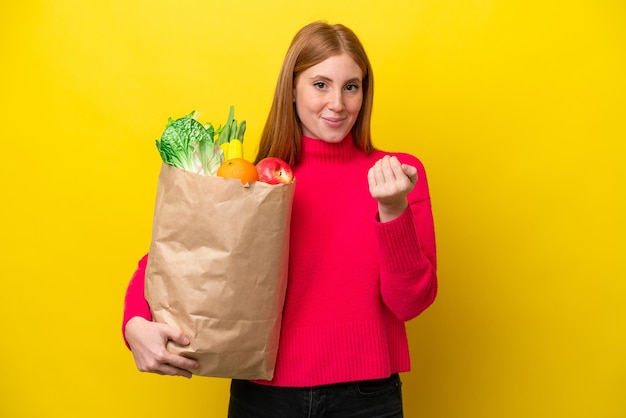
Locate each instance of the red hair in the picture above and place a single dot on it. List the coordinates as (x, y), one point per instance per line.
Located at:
(313, 44)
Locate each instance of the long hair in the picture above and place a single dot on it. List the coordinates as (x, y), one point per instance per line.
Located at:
(314, 43)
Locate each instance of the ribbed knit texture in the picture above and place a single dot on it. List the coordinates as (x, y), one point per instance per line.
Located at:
(353, 280)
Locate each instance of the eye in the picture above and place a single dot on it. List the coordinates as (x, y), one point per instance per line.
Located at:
(352, 87)
(320, 85)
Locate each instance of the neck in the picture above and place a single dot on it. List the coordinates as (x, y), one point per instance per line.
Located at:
(319, 152)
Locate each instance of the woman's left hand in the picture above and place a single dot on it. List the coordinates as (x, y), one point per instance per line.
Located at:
(390, 182)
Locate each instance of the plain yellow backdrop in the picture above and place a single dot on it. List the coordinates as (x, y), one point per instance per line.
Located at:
(515, 107)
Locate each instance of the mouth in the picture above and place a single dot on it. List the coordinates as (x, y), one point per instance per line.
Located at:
(333, 122)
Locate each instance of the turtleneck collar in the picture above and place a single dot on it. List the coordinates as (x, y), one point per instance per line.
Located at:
(318, 152)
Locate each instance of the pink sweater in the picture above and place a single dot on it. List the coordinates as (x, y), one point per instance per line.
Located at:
(353, 281)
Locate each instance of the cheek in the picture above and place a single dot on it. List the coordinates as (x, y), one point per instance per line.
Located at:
(308, 104)
(355, 105)
(300, 105)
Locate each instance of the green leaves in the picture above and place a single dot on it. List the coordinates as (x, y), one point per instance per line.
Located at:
(231, 129)
(188, 145)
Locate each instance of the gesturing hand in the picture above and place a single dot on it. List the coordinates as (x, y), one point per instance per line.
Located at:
(148, 342)
(390, 182)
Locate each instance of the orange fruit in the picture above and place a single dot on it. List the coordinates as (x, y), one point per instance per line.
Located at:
(238, 168)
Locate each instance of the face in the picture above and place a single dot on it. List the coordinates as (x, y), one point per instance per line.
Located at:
(328, 98)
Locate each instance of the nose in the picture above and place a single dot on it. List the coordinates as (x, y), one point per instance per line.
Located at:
(335, 102)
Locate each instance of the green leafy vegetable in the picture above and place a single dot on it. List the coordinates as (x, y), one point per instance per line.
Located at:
(188, 145)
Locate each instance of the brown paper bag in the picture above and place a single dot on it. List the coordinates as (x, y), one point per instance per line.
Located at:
(217, 269)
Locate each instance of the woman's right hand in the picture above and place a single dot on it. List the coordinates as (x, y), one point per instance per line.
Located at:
(148, 343)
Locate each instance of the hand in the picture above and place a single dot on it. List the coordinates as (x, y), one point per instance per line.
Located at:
(148, 343)
(390, 182)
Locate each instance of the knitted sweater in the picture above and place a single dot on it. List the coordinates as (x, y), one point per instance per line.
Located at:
(353, 281)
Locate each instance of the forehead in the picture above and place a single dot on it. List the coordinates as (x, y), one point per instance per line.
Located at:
(341, 66)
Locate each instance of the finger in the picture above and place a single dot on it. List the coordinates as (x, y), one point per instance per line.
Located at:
(177, 336)
(181, 362)
(371, 177)
(411, 172)
(378, 172)
(169, 370)
(394, 162)
(387, 169)
(170, 333)
(396, 166)
(166, 362)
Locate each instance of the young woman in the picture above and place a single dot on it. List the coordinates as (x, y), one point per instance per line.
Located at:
(362, 248)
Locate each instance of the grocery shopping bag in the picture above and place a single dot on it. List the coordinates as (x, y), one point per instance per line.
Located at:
(217, 269)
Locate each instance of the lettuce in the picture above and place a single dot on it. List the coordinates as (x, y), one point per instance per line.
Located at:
(188, 145)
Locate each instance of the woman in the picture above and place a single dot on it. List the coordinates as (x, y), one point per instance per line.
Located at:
(362, 248)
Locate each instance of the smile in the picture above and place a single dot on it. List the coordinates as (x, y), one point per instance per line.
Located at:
(333, 121)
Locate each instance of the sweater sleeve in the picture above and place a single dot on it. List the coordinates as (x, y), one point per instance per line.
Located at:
(135, 303)
(407, 255)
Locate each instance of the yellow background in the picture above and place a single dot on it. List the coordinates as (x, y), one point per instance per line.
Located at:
(516, 107)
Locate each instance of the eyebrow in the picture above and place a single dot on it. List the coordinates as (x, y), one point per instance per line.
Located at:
(324, 78)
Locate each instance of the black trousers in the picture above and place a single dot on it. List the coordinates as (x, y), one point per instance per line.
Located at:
(380, 398)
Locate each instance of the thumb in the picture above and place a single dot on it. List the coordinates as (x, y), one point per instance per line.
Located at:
(176, 336)
(411, 172)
